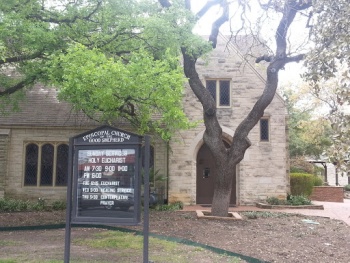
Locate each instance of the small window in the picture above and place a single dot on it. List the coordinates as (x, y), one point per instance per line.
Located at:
(264, 130)
(46, 164)
(221, 92)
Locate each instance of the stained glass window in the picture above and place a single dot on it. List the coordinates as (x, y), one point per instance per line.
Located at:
(46, 167)
(264, 130)
(31, 164)
(46, 164)
(61, 165)
(224, 93)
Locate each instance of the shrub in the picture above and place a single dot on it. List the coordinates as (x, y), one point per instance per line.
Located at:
(39, 205)
(169, 207)
(347, 187)
(298, 200)
(300, 165)
(318, 181)
(16, 205)
(301, 184)
(291, 200)
(59, 205)
(274, 201)
(12, 205)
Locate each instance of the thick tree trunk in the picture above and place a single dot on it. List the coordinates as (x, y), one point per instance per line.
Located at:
(223, 189)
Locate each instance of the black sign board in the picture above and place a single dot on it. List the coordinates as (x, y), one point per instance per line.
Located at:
(106, 177)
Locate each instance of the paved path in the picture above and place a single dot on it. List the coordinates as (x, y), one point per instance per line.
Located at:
(340, 211)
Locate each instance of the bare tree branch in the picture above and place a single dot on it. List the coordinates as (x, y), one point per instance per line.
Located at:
(188, 4)
(265, 58)
(290, 10)
(268, 58)
(209, 4)
(218, 23)
(296, 58)
(164, 3)
(276, 63)
(308, 23)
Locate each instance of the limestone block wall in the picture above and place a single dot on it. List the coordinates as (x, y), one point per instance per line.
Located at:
(15, 176)
(161, 166)
(4, 140)
(263, 172)
(182, 169)
(264, 169)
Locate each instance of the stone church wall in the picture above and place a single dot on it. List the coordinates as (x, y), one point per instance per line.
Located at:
(263, 172)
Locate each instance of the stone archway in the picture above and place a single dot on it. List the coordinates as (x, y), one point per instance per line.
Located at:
(206, 173)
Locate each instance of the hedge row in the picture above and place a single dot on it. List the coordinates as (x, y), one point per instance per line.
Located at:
(303, 183)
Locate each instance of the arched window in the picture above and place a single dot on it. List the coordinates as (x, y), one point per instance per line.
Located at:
(31, 164)
(46, 167)
(62, 164)
(46, 164)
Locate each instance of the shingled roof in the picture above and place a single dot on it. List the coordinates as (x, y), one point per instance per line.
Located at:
(42, 108)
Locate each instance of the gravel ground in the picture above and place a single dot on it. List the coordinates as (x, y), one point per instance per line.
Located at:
(272, 237)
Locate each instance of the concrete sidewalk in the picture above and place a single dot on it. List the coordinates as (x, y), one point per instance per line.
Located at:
(340, 211)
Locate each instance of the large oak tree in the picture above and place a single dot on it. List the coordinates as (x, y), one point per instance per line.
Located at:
(227, 159)
(113, 59)
(104, 43)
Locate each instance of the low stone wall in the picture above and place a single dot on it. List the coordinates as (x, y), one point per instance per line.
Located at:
(328, 194)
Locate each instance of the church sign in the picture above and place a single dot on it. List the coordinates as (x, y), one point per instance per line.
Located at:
(106, 177)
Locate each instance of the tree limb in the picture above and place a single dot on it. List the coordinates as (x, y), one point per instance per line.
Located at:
(219, 22)
(276, 63)
(207, 6)
(20, 58)
(268, 58)
(289, 12)
(265, 58)
(66, 20)
(164, 3)
(18, 86)
(188, 4)
(296, 58)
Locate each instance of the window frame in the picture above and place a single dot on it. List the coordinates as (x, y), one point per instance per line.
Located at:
(218, 91)
(39, 174)
(267, 119)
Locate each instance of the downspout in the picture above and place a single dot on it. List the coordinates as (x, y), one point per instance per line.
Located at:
(167, 172)
(4, 163)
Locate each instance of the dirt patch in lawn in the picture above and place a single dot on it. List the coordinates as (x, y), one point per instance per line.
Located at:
(278, 238)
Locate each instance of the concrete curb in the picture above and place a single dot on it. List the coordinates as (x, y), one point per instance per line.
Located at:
(267, 206)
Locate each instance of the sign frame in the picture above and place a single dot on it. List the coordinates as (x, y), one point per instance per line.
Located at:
(104, 138)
